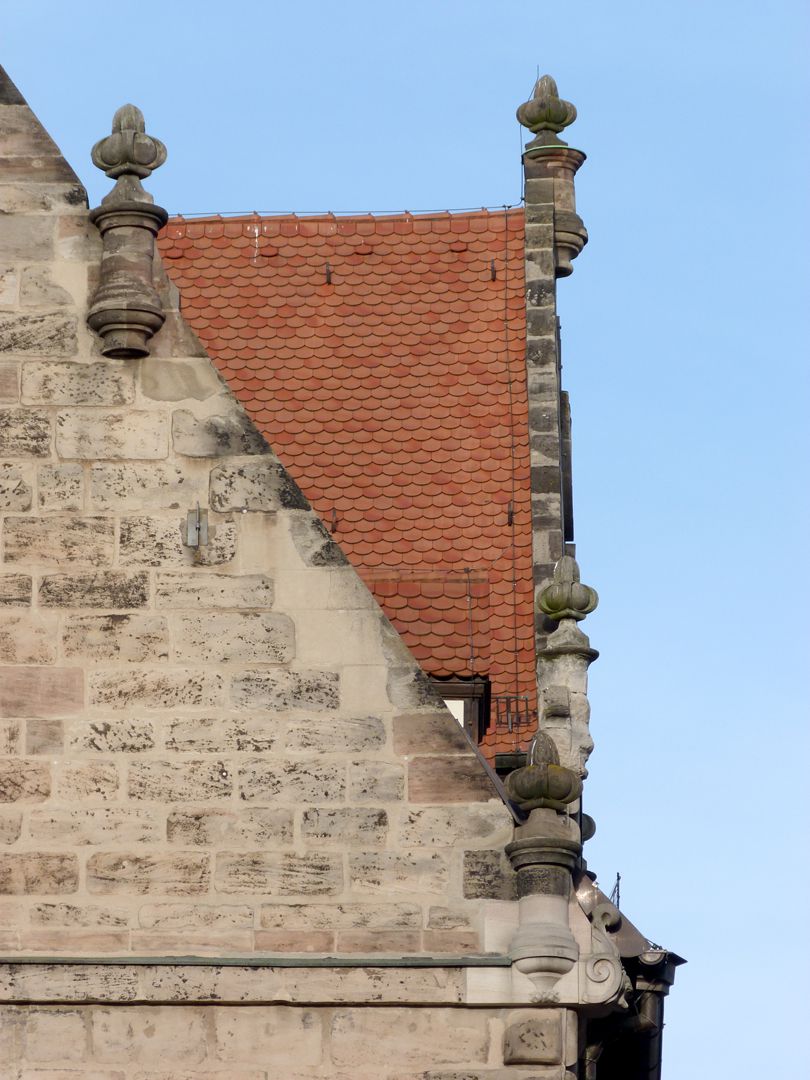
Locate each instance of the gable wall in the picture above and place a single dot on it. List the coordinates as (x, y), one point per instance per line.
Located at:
(223, 751)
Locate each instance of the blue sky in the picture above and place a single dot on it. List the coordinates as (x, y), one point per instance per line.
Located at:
(685, 350)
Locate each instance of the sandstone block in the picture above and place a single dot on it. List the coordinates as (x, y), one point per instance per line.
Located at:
(398, 872)
(488, 876)
(149, 541)
(81, 916)
(254, 827)
(24, 433)
(177, 916)
(145, 486)
(329, 734)
(9, 384)
(72, 942)
(97, 825)
(409, 688)
(176, 380)
(263, 485)
(38, 289)
(179, 781)
(413, 1038)
(15, 590)
(448, 918)
(9, 288)
(239, 637)
(292, 941)
(39, 691)
(62, 383)
(376, 781)
(27, 872)
(15, 487)
(154, 1035)
(10, 828)
(215, 436)
(346, 826)
(122, 736)
(451, 942)
(399, 942)
(44, 735)
(134, 638)
(277, 690)
(87, 781)
(157, 689)
(180, 874)
(51, 333)
(277, 873)
(57, 542)
(54, 1034)
(533, 1037)
(305, 781)
(10, 736)
(93, 434)
(214, 943)
(27, 639)
(174, 1074)
(446, 779)
(312, 540)
(105, 589)
(347, 916)
(60, 487)
(201, 590)
(287, 1037)
(228, 734)
(25, 237)
(451, 826)
(429, 733)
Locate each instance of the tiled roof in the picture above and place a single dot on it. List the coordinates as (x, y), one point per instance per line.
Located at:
(383, 358)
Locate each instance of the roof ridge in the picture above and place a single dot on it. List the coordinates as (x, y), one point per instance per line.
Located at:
(341, 215)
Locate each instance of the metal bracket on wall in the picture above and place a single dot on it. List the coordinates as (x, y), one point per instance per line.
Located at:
(197, 528)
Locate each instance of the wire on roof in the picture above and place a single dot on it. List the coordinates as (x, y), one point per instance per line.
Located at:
(348, 213)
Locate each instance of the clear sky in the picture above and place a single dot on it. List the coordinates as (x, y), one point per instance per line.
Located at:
(685, 349)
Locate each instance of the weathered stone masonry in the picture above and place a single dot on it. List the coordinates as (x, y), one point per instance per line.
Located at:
(239, 837)
(213, 749)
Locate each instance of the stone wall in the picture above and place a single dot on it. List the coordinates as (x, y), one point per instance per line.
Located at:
(184, 1042)
(213, 750)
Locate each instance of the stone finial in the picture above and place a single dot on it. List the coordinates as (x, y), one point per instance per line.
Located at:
(566, 597)
(128, 152)
(546, 114)
(126, 309)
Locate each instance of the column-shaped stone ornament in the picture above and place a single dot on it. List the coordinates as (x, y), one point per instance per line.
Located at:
(550, 165)
(554, 236)
(544, 854)
(126, 309)
(563, 664)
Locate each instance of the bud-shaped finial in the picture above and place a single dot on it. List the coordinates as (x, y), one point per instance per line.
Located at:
(126, 310)
(128, 155)
(566, 597)
(546, 114)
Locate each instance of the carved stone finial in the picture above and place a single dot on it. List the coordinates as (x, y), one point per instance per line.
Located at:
(546, 114)
(128, 149)
(126, 309)
(566, 597)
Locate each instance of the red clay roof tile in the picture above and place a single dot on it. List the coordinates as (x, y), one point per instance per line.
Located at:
(387, 394)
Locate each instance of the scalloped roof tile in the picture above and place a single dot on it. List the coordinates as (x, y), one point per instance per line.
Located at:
(395, 394)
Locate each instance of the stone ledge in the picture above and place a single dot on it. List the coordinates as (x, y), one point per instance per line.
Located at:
(278, 979)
